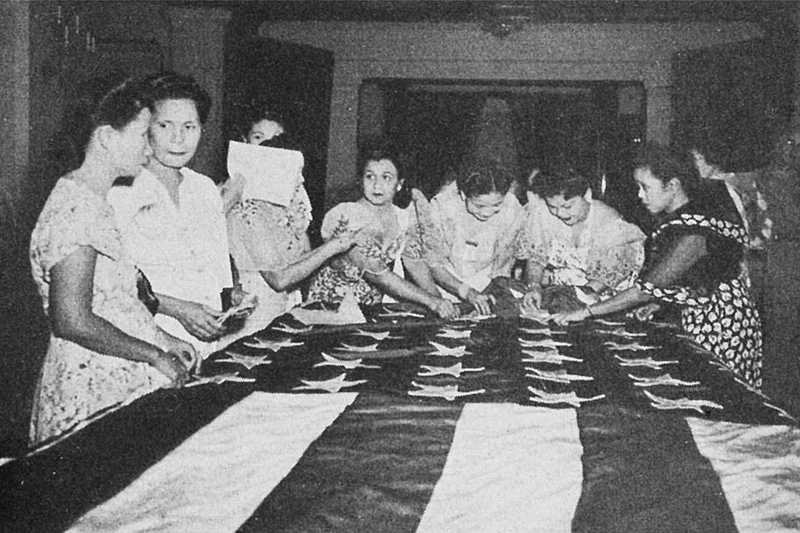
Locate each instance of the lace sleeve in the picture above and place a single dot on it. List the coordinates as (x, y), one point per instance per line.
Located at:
(426, 239)
(255, 241)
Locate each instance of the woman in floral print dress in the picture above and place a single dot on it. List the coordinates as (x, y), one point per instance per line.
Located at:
(105, 348)
(370, 269)
(268, 242)
(693, 260)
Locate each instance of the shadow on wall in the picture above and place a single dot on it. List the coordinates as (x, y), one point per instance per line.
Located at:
(23, 333)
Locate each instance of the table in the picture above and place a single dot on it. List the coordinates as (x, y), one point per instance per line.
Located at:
(407, 423)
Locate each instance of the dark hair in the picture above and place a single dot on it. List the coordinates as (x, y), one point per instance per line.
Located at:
(712, 148)
(483, 176)
(665, 164)
(172, 86)
(255, 112)
(381, 148)
(112, 100)
(564, 180)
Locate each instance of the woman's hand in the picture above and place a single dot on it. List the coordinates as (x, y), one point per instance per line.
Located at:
(482, 302)
(185, 351)
(645, 312)
(346, 240)
(532, 301)
(572, 316)
(171, 365)
(444, 308)
(200, 320)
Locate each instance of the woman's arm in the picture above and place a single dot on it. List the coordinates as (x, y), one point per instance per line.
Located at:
(198, 319)
(421, 274)
(72, 318)
(280, 280)
(453, 285)
(686, 251)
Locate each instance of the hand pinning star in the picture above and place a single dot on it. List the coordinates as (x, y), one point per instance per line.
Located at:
(348, 364)
(329, 385)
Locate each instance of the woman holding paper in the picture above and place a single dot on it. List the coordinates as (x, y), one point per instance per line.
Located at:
(365, 272)
(267, 228)
(172, 220)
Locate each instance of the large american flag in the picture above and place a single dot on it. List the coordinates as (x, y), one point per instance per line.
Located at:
(697, 451)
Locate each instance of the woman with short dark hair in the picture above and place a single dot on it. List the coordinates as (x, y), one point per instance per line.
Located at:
(105, 347)
(693, 261)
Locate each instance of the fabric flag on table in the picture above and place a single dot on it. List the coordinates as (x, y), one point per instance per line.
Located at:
(374, 462)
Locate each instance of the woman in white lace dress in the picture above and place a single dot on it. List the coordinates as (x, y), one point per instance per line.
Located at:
(572, 239)
(105, 347)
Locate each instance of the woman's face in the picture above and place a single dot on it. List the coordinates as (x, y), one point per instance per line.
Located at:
(263, 130)
(484, 206)
(175, 131)
(704, 169)
(130, 148)
(656, 196)
(380, 182)
(569, 211)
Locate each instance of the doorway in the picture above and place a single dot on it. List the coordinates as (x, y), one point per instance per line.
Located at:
(593, 126)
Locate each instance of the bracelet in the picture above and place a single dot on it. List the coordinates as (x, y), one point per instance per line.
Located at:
(463, 291)
(589, 310)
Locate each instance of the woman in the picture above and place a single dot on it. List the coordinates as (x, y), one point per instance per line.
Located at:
(366, 270)
(571, 239)
(468, 230)
(693, 260)
(268, 242)
(104, 347)
(172, 219)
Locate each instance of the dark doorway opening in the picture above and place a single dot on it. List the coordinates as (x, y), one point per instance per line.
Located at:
(595, 126)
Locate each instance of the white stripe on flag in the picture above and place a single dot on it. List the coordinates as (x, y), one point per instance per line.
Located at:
(216, 478)
(759, 469)
(510, 468)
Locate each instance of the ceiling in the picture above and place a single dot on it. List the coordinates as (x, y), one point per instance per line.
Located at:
(530, 11)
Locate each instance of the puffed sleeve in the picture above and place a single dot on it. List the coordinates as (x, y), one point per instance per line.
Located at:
(617, 257)
(367, 254)
(533, 241)
(256, 242)
(426, 239)
(69, 222)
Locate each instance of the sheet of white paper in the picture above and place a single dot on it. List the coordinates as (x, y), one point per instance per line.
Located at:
(270, 174)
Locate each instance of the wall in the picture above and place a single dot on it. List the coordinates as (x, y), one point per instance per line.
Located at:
(635, 52)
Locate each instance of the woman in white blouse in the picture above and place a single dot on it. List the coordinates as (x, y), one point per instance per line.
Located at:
(172, 218)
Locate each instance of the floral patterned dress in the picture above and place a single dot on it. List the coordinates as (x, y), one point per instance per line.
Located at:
(266, 237)
(340, 275)
(716, 308)
(76, 382)
(609, 250)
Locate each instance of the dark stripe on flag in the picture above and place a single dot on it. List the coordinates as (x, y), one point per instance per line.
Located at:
(48, 491)
(645, 474)
(373, 469)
